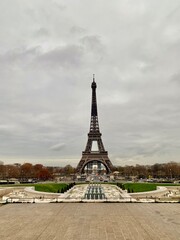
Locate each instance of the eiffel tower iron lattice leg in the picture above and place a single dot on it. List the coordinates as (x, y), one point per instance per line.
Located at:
(94, 136)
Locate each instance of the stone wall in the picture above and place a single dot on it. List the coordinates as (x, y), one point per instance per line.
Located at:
(7, 190)
(31, 191)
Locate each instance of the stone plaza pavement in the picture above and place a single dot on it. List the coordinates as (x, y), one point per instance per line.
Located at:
(95, 221)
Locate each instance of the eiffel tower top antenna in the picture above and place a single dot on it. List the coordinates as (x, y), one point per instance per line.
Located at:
(93, 77)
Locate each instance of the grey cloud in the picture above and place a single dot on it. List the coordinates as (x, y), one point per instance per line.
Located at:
(19, 56)
(70, 56)
(175, 78)
(77, 30)
(41, 32)
(58, 147)
(93, 43)
(46, 72)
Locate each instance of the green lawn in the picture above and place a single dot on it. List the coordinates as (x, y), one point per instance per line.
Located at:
(144, 187)
(50, 187)
(56, 187)
(43, 187)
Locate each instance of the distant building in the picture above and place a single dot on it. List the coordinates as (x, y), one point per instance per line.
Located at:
(17, 164)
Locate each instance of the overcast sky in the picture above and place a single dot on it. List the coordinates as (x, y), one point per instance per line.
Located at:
(49, 50)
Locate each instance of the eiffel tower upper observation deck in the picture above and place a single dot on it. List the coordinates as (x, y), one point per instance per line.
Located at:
(94, 158)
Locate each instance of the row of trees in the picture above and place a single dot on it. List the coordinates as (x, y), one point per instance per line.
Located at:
(166, 170)
(25, 171)
(40, 172)
(37, 171)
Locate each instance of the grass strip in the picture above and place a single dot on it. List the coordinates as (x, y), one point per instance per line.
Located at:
(145, 187)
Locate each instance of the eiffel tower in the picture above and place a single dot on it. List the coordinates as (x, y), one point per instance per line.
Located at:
(98, 156)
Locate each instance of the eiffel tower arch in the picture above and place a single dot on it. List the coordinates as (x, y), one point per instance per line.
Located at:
(98, 156)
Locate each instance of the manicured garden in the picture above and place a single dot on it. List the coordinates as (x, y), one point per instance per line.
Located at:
(63, 187)
(45, 187)
(131, 187)
(143, 187)
(51, 187)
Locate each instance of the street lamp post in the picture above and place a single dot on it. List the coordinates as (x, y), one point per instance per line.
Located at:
(170, 174)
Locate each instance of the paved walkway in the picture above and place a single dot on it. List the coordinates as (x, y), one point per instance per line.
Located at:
(95, 221)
